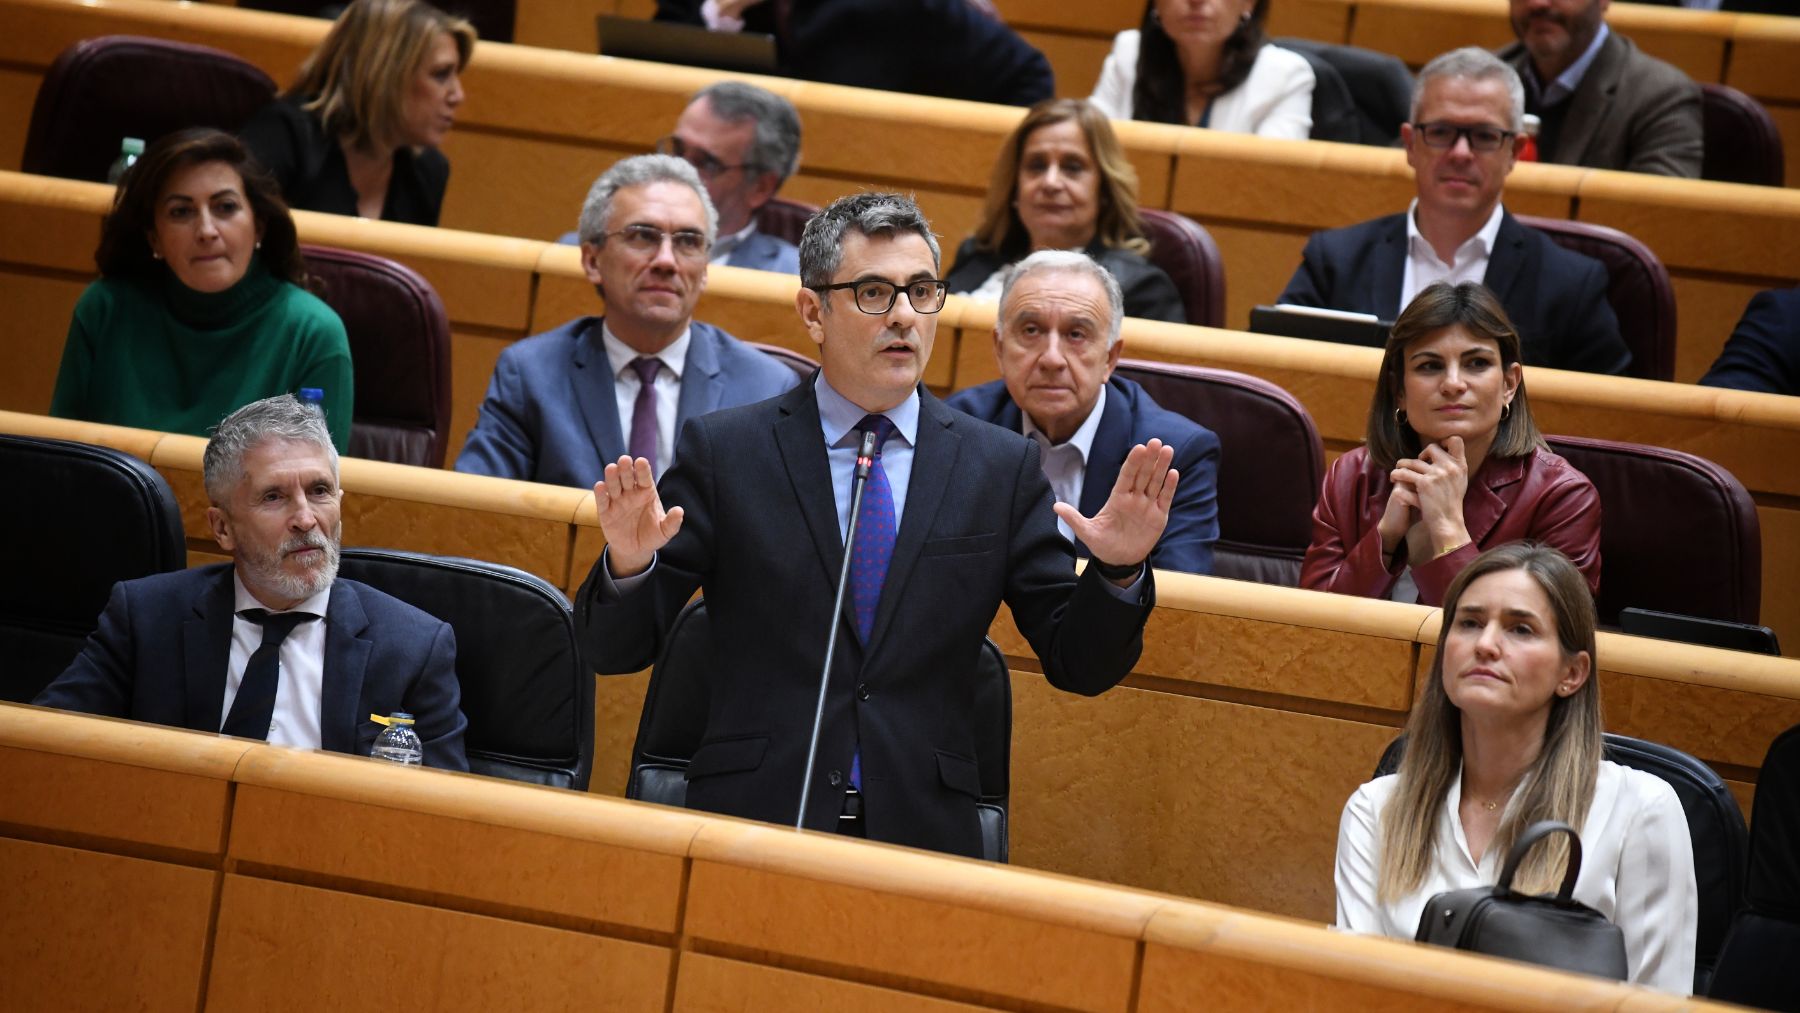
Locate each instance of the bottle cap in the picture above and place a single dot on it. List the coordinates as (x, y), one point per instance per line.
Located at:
(132, 146)
(1532, 124)
(312, 395)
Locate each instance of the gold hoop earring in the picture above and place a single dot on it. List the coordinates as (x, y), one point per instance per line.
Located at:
(1506, 411)
(1400, 417)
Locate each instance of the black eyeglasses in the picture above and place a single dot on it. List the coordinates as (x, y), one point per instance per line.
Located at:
(1482, 137)
(705, 164)
(875, 297)
(648, 239)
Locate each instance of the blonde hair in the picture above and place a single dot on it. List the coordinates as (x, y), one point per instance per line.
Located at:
(1559, 784)
(1117, 224)
(356, 81)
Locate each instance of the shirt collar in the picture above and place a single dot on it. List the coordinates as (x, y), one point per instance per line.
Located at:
(1484, 237)
(839, 415)
(1570, 79)
(1082, 440)
(725, 246)
(620, 355)
(242, 599)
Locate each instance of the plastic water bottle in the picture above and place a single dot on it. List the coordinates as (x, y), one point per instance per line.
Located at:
(129, 150)
(313, 397)
(398, 743)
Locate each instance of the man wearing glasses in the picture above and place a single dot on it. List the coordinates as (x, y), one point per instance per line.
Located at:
(955, 518)
(744, 141)
(563, 403)
(1462, 143)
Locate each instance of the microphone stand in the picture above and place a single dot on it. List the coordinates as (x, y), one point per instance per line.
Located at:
(865, 459)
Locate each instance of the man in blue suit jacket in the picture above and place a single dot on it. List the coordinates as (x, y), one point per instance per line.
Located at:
(182, 648)
(563, 403)
(744, 141)
(1458, 231)
(1763, 352)
(1058, 342)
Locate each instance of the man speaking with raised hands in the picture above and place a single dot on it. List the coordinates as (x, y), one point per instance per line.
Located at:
(956, 517)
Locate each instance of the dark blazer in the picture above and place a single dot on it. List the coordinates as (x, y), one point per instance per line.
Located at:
(1541, 497)
(1763, 352)
(291, 143)
(1133, 417)
(1631, 112)
(551, 415)
(763, 252)
(925, 47)
(1149, 293)
(761, 538)
(164, 642)
(1555, 297)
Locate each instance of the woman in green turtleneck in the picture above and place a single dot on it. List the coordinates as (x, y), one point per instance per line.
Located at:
(199, 309)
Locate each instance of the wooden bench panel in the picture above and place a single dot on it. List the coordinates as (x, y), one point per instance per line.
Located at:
(707, 984)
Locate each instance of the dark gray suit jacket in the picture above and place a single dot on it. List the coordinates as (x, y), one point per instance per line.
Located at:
(1631, 112)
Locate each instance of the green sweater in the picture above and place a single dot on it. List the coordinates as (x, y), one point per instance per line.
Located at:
(156, 354)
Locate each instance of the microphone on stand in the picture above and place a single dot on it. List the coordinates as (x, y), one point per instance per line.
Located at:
(865, 459)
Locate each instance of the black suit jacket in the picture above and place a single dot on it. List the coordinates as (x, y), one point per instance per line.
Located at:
(291, 143)
(1149, 292)
(1556, 298)
(1763, 352)
(925, 47)
(761, 538)
(1132, 417)
(164, 642)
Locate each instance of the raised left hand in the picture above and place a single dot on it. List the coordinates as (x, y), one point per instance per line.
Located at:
(1132, 519)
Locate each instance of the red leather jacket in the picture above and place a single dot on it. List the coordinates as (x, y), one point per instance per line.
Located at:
(1541, 497)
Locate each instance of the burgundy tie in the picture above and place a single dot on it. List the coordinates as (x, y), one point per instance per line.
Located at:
(643, 413)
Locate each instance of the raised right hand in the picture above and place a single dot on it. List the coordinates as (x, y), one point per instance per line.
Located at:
(632, 517)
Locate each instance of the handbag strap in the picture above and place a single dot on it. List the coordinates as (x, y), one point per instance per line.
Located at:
(1533, 834)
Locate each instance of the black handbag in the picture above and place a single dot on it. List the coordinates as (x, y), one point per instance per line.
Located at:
(1554, 931)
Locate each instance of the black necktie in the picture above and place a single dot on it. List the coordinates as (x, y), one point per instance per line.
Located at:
(254, 707)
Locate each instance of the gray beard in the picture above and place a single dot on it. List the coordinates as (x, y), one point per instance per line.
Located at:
(267, 571)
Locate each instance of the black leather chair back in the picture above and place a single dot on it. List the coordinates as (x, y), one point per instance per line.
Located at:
(529, 701)
(1712, 569)
(674, 721)
(793, 360)
(400, 343)
(1637, 289)
(77, 518)
(1360, 96)
(1742, 142)
(784, 219)
(1715, 827)
(1757, 965)
(1271, 464)
(1187, 254)
(103, 90)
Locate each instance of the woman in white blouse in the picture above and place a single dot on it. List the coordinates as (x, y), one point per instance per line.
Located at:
(1205, 63)
(1506, 731)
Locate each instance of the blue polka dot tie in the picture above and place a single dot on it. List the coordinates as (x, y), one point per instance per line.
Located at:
(875, 530)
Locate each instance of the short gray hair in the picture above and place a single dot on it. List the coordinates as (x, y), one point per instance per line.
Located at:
(640, 170)
(1075, 262)
(282, 417)
(1475, 64)
(870, 214)
(775, 146)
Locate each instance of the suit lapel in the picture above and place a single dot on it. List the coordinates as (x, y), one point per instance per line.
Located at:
(1112, 441)
(346, 659)
(1484, 509)
(1592, 100)
(799, 438)
(1507, 261)
(701, 387)
(590, 374)
(934, 461)
(206, 650)
(1388, 272)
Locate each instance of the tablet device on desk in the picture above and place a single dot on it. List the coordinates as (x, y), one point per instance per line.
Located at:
(1695, 630)
(691, 45)
(1318, 324)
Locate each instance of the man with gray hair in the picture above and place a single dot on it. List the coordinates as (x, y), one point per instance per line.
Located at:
(1467, 111)
(273, 645)
(563, 403)
(744, 141)
(954, 518)
(1057, 342)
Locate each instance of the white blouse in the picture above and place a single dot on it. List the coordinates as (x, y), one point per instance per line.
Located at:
(1274, 101)
(1637, 869)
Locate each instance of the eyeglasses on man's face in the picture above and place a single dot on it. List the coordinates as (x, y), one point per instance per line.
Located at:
(648, 240)
(875, 296)
(704, 163)
(1482, 137)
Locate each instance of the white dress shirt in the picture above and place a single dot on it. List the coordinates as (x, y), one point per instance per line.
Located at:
(1470, 261)
(1637, 869)
(1065, 464)
(668, 389)
(301, 681)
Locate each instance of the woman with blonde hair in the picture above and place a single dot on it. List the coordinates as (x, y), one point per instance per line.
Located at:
(1506, 731)
(1062, 182)
(358, 131)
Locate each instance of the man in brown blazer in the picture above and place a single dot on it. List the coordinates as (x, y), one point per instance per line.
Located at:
(1603, 103)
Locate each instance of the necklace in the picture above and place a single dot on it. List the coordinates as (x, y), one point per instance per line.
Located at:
(1490, 806)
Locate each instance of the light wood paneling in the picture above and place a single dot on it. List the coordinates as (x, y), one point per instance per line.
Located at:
(716, 985)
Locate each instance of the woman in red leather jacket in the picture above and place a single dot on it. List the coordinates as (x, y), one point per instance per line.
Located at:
(1453, 463)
